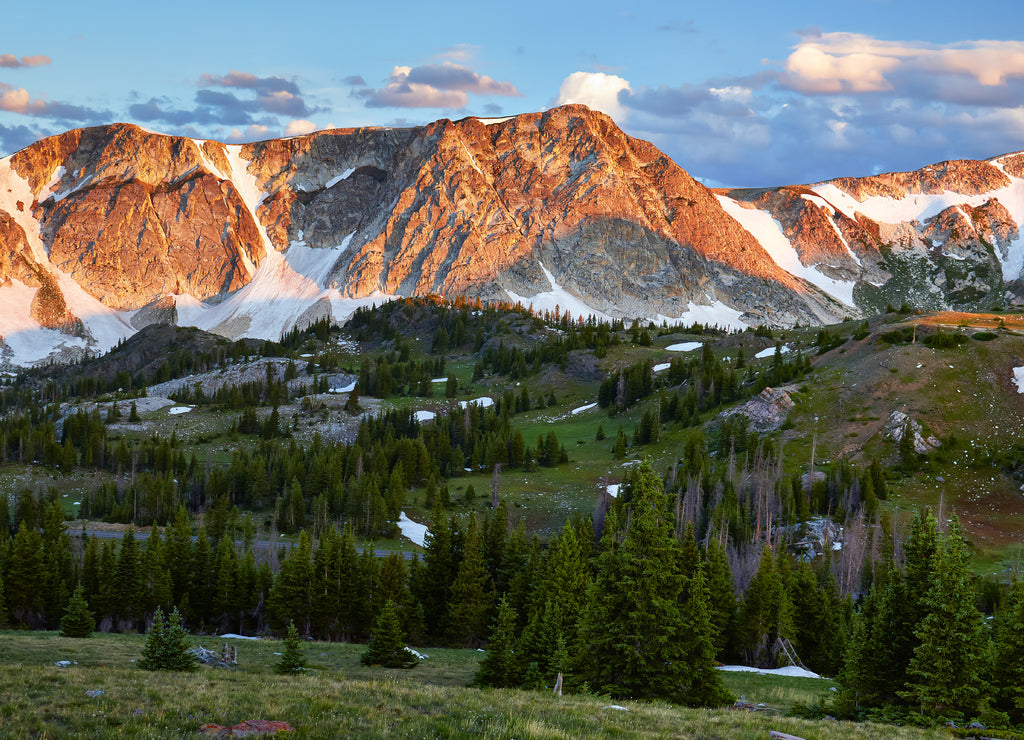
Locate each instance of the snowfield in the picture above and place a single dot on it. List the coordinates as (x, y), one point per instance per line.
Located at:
(557, 297)
(684, 347)
(412, 530)
(922, 206)
(770, 352)
(791, 670)
(763, 227)
(1018, 378)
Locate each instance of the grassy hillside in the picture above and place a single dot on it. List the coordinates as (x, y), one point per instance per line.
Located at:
(340, 698)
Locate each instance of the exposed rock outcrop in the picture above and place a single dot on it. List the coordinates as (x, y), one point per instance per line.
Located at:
(559, 206)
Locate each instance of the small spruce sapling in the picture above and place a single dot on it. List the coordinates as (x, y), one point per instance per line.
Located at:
(292, 661)
(387, 645)
(78, 620)
(166, 647)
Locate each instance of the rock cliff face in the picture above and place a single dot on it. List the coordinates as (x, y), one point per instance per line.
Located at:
(106, 229)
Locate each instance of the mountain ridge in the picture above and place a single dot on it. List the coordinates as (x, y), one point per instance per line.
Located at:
(106, 229)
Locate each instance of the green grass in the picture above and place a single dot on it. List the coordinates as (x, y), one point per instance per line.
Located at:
(340, 698)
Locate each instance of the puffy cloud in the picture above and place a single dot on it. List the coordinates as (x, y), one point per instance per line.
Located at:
(354, 81)
(232, 106)
(461, 52)
(446, 85)
(850, 63)
(256, 132)
(18, 100)
(597, 90)
(35, 60)
(274, 95)
(449, 76)
(249, 81)
(299, 127)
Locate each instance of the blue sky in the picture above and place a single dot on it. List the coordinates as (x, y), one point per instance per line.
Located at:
(738, 93)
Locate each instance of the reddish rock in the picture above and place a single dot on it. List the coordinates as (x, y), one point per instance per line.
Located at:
(248, 728)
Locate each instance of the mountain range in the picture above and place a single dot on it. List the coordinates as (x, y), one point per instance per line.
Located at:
(105, 230)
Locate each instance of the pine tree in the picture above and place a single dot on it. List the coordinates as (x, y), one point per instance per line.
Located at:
(944, 675)
(500, 667)
(705, 682)
(78, 620)
(472, 597)
(859, 678)
(634, 634)
(292, 660)
(166, 647)
(25, 571)
(766, 614)
(387, 645)
(434, 588)
(1008, 647)
(722, 596)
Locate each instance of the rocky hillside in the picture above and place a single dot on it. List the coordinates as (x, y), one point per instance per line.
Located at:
(107, 229)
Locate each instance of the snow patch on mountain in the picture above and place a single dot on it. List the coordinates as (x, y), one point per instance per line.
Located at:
(770, 352)
(557, 297)
(684, 347)
(338, 178)
(1018, 378)
(830, 212)
(922, 206)
(710, 314)
(106, 326)
(27, 342)
(768, 231)
(413, 530)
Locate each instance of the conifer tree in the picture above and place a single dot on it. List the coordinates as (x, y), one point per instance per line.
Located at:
(859, 678)
(472, 597)
(721, 596)
(292, 595)
(57, 561)
(1008, 647)
(78, 620)
(3, 606)
(766, 614)
(500, 667)
(166, 647)
(387, 645)
(634, 635)
(944, 675)
(434, 587)
(25, 571)
(705, 687)
(292, 659)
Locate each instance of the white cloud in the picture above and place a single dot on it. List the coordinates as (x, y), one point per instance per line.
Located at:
(832, 63)
(298, 127)
(597, 90)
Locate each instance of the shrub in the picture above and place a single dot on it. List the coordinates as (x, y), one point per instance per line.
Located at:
(984, 336)
(945, 340)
